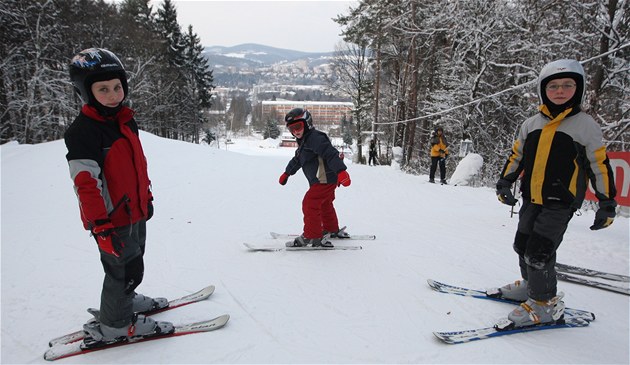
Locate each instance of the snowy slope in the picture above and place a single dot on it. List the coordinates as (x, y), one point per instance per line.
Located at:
(368, 306)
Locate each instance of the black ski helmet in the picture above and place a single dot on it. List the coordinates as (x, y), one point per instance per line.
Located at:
(92, 65)
(297, 115)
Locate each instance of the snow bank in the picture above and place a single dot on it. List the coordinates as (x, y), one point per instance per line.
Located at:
(467, 169)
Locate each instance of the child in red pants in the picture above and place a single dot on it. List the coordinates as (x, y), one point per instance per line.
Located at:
(325, 170)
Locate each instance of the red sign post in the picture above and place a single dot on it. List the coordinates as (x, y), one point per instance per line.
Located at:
(620, 163)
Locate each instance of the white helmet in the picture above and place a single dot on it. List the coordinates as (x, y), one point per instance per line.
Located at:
(563, 69)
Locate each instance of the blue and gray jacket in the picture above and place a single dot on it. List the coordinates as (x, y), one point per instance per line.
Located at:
(317, 158)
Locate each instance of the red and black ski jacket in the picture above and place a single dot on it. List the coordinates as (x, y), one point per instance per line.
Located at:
(108, 168)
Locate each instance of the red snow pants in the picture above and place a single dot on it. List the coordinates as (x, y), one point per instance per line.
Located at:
(318, 209)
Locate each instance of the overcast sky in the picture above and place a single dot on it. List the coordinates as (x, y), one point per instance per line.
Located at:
(299, 25)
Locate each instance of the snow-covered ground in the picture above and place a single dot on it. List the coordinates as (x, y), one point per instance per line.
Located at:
(367, 306)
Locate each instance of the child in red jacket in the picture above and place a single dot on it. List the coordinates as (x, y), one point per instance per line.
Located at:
(109, 172)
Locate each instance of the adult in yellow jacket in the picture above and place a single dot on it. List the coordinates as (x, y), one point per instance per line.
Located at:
(439, 154)
(557, 151)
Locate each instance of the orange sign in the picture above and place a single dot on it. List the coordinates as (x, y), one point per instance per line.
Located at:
(620, 163)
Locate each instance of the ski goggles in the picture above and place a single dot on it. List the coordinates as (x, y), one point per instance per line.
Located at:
(296, 127)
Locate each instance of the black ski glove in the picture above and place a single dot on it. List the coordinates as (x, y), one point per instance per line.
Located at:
(504, 192)
(149, 210)
(605, 215)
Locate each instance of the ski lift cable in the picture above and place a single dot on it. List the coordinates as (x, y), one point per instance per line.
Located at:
(478, 100)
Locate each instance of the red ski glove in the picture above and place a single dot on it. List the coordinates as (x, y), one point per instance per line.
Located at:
(107, 239)
(343, 178)
(283, 178)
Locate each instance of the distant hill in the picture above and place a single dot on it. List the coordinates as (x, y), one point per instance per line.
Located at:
(256, 55)
(246, 65)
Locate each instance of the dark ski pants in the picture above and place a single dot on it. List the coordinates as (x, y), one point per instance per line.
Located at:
(435, 161)
(372, 159)
(318, 209)
(122, 275)
(539, 234)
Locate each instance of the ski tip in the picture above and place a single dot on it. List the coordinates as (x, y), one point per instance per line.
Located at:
(432, 283)
(443, 339)
(222, 320)
(208, 290)
(187, 299)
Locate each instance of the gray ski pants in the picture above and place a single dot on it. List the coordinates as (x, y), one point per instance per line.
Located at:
(122, 275)
(539, 234)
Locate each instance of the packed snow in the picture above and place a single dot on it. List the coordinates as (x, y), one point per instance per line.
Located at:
(366, 306)
(467, 169)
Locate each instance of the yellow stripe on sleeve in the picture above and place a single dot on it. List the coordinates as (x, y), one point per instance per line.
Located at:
(600, 157)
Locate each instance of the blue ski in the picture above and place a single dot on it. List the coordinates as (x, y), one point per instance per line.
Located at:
(481, 294)
(572, 317)
(457, 337)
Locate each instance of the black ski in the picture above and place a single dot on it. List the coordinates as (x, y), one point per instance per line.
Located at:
(568, 269)
(592, 283)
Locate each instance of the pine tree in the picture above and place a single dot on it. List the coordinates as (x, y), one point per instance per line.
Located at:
(171, 31)
(174, 94)
(271, 130)
(197, 65)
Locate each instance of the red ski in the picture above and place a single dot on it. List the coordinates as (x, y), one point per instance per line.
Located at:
(202, 294)
(61, 351)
